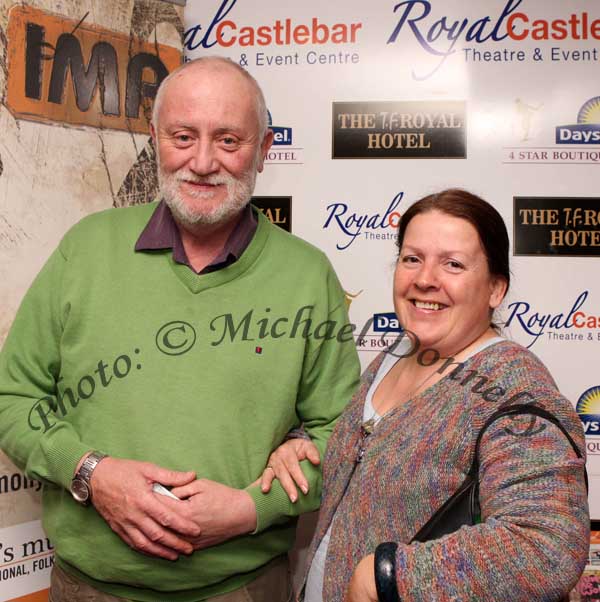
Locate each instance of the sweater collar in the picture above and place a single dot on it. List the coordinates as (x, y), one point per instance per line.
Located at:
(197, 283)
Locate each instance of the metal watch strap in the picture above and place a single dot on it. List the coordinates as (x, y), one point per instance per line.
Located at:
(89, 464)
(83, 476)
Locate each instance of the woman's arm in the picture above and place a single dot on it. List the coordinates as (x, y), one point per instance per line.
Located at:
(533, 542)
(284, 464)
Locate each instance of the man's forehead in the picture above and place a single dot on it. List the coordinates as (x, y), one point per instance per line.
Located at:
(217, 94)
(201, 76)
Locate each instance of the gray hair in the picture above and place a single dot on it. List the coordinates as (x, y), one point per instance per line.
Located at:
(261, 106)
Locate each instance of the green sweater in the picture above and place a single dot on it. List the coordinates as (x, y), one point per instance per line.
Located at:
(141, 358)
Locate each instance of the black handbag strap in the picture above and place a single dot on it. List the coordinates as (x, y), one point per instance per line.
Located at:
(462, 507)
(515, 410)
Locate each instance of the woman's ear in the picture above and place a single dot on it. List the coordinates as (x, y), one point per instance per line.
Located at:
(498, 287)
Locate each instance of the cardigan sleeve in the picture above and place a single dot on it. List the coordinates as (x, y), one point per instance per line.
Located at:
(533, 542)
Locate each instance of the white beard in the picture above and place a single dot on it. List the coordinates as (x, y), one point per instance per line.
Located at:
(239, 191)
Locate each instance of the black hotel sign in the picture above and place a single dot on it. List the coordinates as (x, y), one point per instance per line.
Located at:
(407, 129)
(556, 226)
(277, 208)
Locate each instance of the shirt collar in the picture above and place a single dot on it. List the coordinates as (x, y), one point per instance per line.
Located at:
(161, 232)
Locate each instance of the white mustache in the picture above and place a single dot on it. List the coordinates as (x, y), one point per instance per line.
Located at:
(213, 180)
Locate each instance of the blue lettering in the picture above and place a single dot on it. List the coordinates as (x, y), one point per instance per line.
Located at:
(510, 7)
(373, 223)
(385, 220)
(189, 35)
(445, 29)
(578, 303)
(413, 22)
(352, 225)
(337, 210)
(555, 322)
(535, 324)
(475, 32)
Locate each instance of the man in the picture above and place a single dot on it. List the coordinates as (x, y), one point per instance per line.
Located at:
(177, 344)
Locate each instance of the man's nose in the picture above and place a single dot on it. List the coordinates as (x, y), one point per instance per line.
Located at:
(204, 160)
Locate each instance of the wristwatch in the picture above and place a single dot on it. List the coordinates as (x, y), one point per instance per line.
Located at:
(80, 485)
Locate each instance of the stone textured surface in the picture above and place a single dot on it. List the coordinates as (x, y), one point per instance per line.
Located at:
(52, 175)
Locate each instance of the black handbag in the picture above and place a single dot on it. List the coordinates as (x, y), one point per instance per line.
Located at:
(462, 508)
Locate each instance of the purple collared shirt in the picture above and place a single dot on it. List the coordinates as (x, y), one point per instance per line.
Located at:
(161, 232)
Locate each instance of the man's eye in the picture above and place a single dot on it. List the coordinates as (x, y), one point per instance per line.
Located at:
(228, 140)
(183, 138)
(410, 259)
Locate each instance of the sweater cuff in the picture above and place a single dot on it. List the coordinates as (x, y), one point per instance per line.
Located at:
(402, 561)
(62, 460)
(275, 506)
(271, 507)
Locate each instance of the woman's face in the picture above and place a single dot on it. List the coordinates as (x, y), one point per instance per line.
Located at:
(443, 290)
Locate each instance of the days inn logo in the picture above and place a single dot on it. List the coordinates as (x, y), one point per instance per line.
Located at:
(386, 322)
(588, 408)
(587, 128)
(282, 136)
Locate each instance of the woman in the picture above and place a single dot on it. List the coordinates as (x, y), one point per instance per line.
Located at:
(405, 442)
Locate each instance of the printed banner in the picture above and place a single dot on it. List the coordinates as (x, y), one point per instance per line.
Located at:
(556, 226)
(108, 72)
(500, 97)
(26, 557)
(77, 85)
(371, 130)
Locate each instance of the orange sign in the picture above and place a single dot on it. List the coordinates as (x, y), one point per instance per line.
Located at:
(41, 596)
(71, 72)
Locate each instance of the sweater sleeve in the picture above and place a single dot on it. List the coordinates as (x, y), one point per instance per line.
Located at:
(32, 431)
(533, 541)
(330, 374)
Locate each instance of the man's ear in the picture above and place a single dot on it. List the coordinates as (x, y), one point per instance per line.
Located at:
(265, 145)
(153, 133)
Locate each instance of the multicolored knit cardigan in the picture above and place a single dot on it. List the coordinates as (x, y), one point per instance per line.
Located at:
(533, 542)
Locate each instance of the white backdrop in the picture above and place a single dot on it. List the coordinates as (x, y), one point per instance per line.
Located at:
(523, 68)
(512, 85)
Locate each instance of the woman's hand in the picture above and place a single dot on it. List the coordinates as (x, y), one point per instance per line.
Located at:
(284, 464)
(362, 585)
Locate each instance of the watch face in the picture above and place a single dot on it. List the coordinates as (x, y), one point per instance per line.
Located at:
(80, 491)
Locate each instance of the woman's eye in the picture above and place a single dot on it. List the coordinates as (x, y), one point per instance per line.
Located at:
(454, 265)
(410, 259)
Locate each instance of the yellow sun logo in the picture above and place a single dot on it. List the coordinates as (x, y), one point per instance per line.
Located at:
(589, 402)
(590, 111)
(350, 297)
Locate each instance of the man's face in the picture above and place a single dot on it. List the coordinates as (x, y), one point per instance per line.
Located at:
(208, 143)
